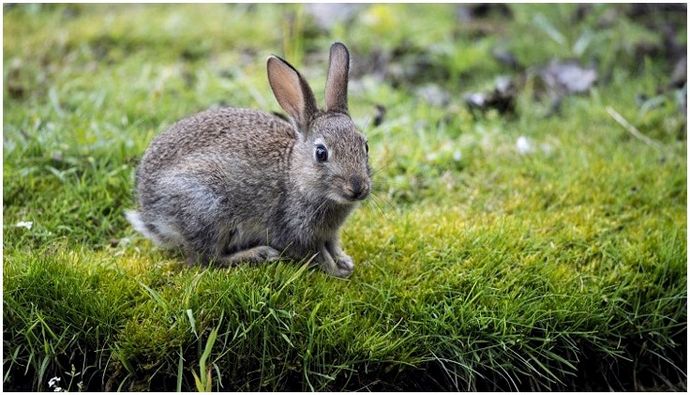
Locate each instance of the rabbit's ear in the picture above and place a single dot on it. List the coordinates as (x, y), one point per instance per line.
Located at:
(336, 84)
(291, 90)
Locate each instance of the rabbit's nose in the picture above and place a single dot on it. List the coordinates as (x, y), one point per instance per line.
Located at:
(359, 188)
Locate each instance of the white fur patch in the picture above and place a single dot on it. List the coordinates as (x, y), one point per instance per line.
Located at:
(173, 238)
(135, 219)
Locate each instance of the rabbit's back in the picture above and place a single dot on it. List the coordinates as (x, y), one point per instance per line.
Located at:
(245, 137)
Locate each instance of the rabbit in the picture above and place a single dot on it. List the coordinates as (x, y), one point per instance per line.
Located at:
(235, 185)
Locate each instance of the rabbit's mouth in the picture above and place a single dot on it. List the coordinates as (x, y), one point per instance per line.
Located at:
(349, 191)
(345, 198)
(349, 195)
(355, 196)
(357, 189)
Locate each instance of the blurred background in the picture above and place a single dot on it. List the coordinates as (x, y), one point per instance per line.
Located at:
(453, 57)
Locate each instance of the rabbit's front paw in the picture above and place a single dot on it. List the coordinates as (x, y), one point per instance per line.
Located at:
(344, 266)
(339, 265)
(345, 262)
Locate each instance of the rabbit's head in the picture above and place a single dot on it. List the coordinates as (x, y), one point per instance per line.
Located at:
(330, 157)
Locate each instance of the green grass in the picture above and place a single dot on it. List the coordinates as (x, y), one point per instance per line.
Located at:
(561, 269)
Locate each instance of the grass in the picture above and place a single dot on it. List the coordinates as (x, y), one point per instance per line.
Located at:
(477, 267)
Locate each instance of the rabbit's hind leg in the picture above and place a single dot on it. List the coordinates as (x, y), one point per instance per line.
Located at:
(204, 240)
(252, 255)
(196, 212)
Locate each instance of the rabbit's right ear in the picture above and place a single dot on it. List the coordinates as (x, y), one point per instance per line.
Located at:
(336, 83)
(292, 92)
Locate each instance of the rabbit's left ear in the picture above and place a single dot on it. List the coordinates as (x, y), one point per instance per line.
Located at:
(292, 92)
(336, 83)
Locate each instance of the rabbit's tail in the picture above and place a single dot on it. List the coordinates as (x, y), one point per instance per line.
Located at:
(138, 224)
(150, 231)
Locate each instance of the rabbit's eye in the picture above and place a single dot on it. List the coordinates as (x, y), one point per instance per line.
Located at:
(366, 146)
(321, 153)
